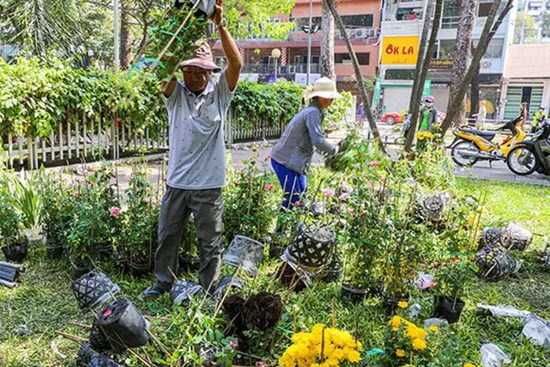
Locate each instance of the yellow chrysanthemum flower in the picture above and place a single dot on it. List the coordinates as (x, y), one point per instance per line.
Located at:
(400, 353)
(415, 332)
(403, 304)
(395, 322)
(469, 365)
(419, 344)
(433, 328)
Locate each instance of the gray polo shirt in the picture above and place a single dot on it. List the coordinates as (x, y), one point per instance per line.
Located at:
(197, 149)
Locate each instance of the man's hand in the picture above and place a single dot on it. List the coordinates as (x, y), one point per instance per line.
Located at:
(217, 15)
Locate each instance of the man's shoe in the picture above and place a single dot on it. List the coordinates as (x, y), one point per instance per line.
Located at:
(154, 291)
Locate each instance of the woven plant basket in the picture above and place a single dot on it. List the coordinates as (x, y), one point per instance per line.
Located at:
(93, 289)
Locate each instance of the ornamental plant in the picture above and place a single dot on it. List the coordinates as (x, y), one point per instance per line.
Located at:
(323, 347)
(9, 219)
(407, 342)
(138, 223)
(453, 274)
(249, 202)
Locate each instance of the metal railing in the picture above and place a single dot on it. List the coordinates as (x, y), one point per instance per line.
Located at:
(281, 70)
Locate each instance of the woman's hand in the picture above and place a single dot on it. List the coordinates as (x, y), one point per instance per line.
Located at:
(217, 15)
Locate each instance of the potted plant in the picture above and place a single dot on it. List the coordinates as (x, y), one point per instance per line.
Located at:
(13, 248)
(94, 219)
(452, 274)
(137, 238)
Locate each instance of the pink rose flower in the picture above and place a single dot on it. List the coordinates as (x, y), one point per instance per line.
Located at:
(115, 211)
(351, 211)
(234, 344)
(268, 187)
(328, 192)
(297, 203)
(374, 164)
(260, 364)
(345, 196)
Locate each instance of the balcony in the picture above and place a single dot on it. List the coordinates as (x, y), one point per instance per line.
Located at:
(281, 70)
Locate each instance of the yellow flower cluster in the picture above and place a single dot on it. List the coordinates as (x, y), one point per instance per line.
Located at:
(414, 333)
(424, 135)
(314, 350)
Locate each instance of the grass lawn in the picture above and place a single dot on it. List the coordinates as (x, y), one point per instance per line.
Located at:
(31, 314)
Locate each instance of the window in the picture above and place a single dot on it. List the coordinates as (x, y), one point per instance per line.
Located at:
(358, 21)
(483, 9)
(451, 14)
(409, 13)
(494, 50)
(304, 22)
(446, 49)
(400, 74)
(363, 57)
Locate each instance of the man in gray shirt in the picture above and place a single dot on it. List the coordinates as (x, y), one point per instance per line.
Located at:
(197, 110)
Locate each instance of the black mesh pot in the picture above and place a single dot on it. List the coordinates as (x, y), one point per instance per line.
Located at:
(448, 309)
(391, 303)
(431, 207)
(98, 340)
(93, 289)
(16, 252)
(495, 263)
(90, 358)
(311, 247)
(182, 290)
(333, 271)
(246, 252)
(224, 282)
(123, 325)
(491, 236)
(352, 294)
(517, 237)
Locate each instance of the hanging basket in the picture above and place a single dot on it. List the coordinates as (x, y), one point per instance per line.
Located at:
(182, 290)
(225, 282)
(430, 208)
(123, 325)
(246, 252)
(491, 236)
(93, 289)
(311, 247)
(495, 263)
(517, 237)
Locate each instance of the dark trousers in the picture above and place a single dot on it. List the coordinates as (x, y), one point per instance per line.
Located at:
(207, 208)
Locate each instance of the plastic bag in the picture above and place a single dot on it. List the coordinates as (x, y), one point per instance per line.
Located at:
(492, 356)
(436, 322)
(246, 252)
(504, 311)
(414, 311)
(537, 331)
(425, 281)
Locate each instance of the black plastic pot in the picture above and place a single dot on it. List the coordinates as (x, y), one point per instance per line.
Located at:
(352, 294)
(54, 250)
(139, 268)
(289, 277)
(16, 253)
(93, 289)
(80, 267)
(390, 303)
(123, 325)
(445, 308)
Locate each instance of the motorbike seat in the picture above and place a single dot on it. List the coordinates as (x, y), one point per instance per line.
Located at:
(488, 135)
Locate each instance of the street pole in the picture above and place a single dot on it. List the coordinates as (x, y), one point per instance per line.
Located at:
(309, 40)
(116, 36)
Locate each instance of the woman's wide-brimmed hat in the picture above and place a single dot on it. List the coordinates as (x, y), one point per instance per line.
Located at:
(325, 88)
(203, 58)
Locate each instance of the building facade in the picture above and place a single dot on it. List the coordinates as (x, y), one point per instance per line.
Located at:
(401, 30)
(362, 21)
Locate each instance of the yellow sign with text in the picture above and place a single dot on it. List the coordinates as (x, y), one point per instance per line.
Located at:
(399, 50)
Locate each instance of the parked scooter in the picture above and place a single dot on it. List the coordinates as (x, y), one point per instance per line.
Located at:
(532, 154)
(472, 145)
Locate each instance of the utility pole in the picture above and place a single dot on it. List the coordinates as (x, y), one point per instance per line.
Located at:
(309, 35)
(116, 36)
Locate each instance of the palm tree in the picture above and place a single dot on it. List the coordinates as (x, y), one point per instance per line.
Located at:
(41, 25)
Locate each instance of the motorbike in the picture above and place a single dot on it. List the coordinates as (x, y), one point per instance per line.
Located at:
(532, 154)
(472, 145)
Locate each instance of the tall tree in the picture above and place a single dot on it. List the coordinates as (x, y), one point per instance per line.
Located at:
(358, 76)
(462, 55)
(474, 93)
(423, 63)
(125, 35)
(489, 30)
(327, 43)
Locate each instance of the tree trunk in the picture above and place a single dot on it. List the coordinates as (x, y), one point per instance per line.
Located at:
(125, 36)
(357, 69)
(487, 34)
(327, 43)
(474, 93)
(462, 56)
(422, 65)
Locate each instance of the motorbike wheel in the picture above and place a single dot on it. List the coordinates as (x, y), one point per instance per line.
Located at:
(464, 146)
(390, 121)
(522, 161)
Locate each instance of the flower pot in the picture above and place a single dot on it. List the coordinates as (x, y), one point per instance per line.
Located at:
(495, 263)
(332, 272)
(54, 250)
(98, 339)
(94, 289)
(80, 267)
(182, 290)
(430, 208)
(88, 357)
(352, 294)
(35, 240)
(224, 282)
(105, 250)
(244, 252)
(517, 237)
(16, 253)
(139, 268)
(289, 277)
(189, 264)
(312, 247)
(491, 237)
(123, 325)
(390, 303)
(445, 308)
